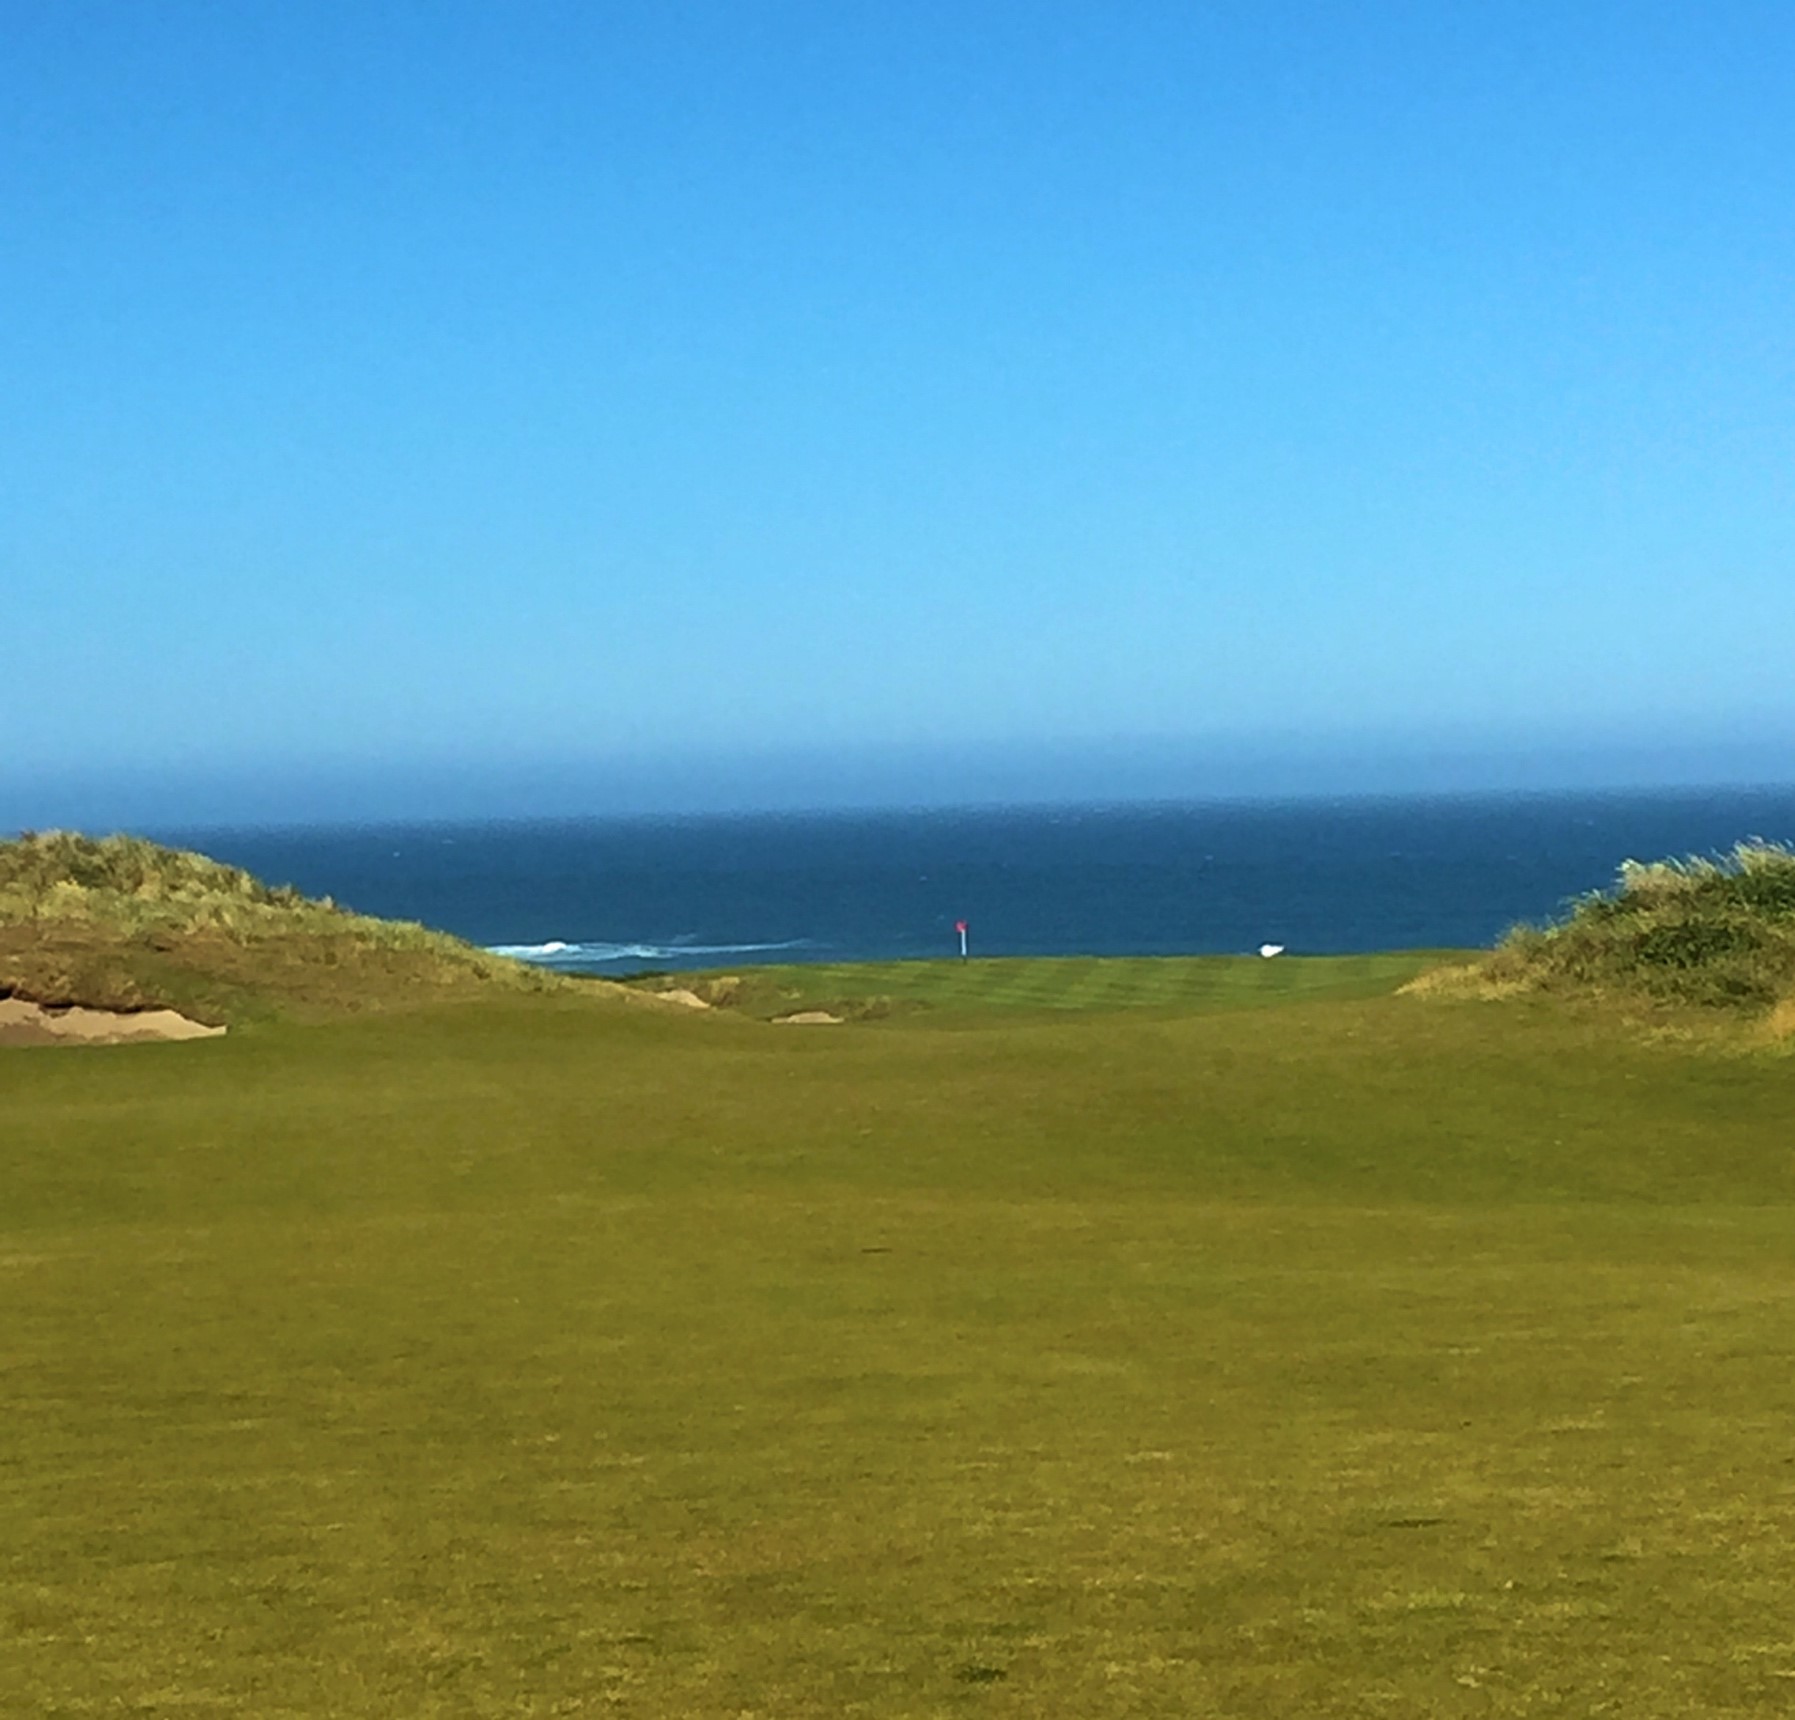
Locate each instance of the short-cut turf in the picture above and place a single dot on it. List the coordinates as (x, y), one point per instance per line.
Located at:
(1345, 1356)
(1019, 985)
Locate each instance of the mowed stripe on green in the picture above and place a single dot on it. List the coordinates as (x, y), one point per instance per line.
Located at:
(1012, 984)
(1349, 1356)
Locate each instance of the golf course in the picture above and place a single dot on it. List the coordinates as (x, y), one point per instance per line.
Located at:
(1082, 1338)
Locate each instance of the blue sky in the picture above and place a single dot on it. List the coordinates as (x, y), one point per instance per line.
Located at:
(549, 407)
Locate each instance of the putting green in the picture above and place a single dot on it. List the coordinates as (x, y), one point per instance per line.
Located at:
(1024, 985)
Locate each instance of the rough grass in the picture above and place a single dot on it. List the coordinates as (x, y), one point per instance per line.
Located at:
(122, 923)
(1713, 933)
(1335, 1357)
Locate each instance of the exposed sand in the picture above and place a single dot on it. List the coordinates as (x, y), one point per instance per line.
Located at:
(808, 1018)
(23, 1023)
(1780, 1024)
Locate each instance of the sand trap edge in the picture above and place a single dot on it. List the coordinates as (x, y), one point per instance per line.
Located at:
(25, 1023)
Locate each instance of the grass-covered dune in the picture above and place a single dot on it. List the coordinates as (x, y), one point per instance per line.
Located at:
(1706, 932)
(1349, 1354)
(122, 923)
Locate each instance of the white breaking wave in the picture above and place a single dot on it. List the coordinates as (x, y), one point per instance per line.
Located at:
(560, 953)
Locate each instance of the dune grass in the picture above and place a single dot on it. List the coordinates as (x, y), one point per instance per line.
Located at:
(1341, 1356)
(122, 923)
(1706, 931)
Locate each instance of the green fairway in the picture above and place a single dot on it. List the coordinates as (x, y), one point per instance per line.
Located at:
(1350, 1355)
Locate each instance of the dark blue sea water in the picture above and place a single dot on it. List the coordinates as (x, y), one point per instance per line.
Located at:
(1322, 877)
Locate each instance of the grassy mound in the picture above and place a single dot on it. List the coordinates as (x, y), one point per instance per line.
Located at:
(1708, 932)
(122, 923)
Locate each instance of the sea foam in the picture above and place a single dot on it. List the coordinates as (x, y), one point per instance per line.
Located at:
(562, 953)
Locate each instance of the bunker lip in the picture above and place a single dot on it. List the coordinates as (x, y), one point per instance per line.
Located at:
(25, 1023)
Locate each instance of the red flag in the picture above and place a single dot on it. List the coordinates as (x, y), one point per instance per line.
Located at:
(959, 925)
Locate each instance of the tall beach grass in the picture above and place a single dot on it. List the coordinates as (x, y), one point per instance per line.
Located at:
(122, 922)
(1714, 931)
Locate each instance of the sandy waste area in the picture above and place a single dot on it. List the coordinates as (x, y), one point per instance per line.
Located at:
(23, 1023)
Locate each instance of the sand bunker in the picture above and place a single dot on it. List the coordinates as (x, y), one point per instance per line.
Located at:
(23, 1023)
(808, 1018)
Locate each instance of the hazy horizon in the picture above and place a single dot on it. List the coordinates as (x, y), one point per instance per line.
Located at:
(823, 780)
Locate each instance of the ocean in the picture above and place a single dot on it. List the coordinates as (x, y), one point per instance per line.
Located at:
(1320, 877)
